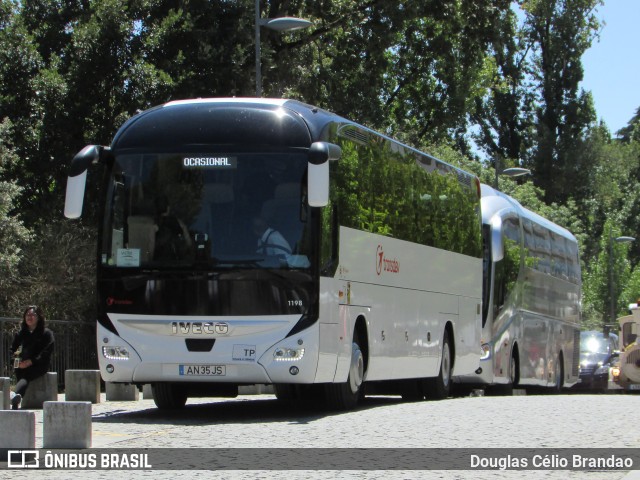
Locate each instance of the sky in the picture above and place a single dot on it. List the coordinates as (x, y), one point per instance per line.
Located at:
(612, 64)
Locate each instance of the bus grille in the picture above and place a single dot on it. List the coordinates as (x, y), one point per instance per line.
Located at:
(199, 344)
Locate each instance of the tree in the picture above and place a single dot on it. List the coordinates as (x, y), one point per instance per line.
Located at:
(504, 111)
(632, 131)
(597, 279)
(13, 234)
(560, 31)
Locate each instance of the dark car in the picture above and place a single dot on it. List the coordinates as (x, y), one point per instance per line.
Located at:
(597, 353)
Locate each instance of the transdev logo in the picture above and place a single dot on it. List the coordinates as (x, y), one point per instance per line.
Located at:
(117, 301)
(383, 264)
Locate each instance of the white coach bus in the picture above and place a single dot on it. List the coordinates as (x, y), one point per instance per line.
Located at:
(531, 300)
(258, 241)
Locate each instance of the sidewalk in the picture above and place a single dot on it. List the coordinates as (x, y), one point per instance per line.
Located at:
(259, 422)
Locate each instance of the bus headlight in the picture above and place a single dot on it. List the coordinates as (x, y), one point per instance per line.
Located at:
(485, 353)
(288, 354)
(115, 353)
(615, 372)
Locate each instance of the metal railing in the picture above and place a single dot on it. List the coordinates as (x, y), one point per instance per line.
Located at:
(75, 346)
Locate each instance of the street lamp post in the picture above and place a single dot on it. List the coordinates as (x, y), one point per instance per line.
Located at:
(282, 24)
(612, 300)
(509, 172)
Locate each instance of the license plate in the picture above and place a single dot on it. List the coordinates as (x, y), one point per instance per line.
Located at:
(634, 386)
(202, 370)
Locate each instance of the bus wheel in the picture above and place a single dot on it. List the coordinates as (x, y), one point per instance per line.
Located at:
(439, 387)
(513, 375)
(285, 392)
(507, 388)
(169, 396)
(345, 396)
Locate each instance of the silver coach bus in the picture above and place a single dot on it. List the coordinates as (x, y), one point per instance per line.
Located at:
(531, 300)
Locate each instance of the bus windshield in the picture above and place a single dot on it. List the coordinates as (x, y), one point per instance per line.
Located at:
(168, 210)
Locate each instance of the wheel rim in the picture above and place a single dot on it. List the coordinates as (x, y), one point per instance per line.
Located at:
(356, 370)
(446, 365)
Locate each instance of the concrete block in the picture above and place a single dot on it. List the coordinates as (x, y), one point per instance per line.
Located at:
(42, 389)
(5, 386)
(82, 386)
(18, 429)
(147, 392)
(121, 392)
(66, 425)
(257, 389)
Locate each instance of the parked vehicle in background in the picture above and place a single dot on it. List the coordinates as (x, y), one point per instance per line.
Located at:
(626, 373)
(597, 355)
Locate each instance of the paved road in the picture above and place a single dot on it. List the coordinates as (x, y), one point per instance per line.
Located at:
(260, 421)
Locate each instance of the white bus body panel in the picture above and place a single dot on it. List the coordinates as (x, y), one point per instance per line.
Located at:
(160, 351)
(407, 293)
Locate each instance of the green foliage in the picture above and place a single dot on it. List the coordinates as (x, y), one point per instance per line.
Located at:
(609, 272)
(436, 75)
(14, 236)
(560, 31)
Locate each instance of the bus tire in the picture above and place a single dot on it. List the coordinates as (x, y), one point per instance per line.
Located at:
(345, 396)
(513, 375)
(169, 396)
(285, 392)
(439, 388)
(506, 389)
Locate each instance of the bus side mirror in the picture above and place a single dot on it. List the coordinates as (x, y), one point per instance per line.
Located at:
(320, 153)
(497, 248)
(77, 179)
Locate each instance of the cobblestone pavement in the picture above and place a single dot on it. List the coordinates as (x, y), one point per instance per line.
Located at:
(259, 421)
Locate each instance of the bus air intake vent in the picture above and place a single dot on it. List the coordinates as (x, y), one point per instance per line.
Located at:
(464, 179)
(354, 134)
(199, 344)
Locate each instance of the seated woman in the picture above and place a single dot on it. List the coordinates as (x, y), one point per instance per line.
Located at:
(31, 350)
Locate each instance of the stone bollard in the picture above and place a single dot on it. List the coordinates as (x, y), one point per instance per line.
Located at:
(82, 386)
(147, 392)
(121, 392)
(5, 386)
(18, 431)
(66, 425)
(257, 389)
(42, 389)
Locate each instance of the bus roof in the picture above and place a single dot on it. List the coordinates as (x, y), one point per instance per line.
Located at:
(190, 121)
(494, 200)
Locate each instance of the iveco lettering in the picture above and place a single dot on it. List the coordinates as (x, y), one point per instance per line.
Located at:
(199, 328)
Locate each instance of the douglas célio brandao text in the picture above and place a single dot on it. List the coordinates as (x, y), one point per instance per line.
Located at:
(550, 462)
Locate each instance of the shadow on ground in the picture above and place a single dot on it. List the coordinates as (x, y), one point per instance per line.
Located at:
(237, 411)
